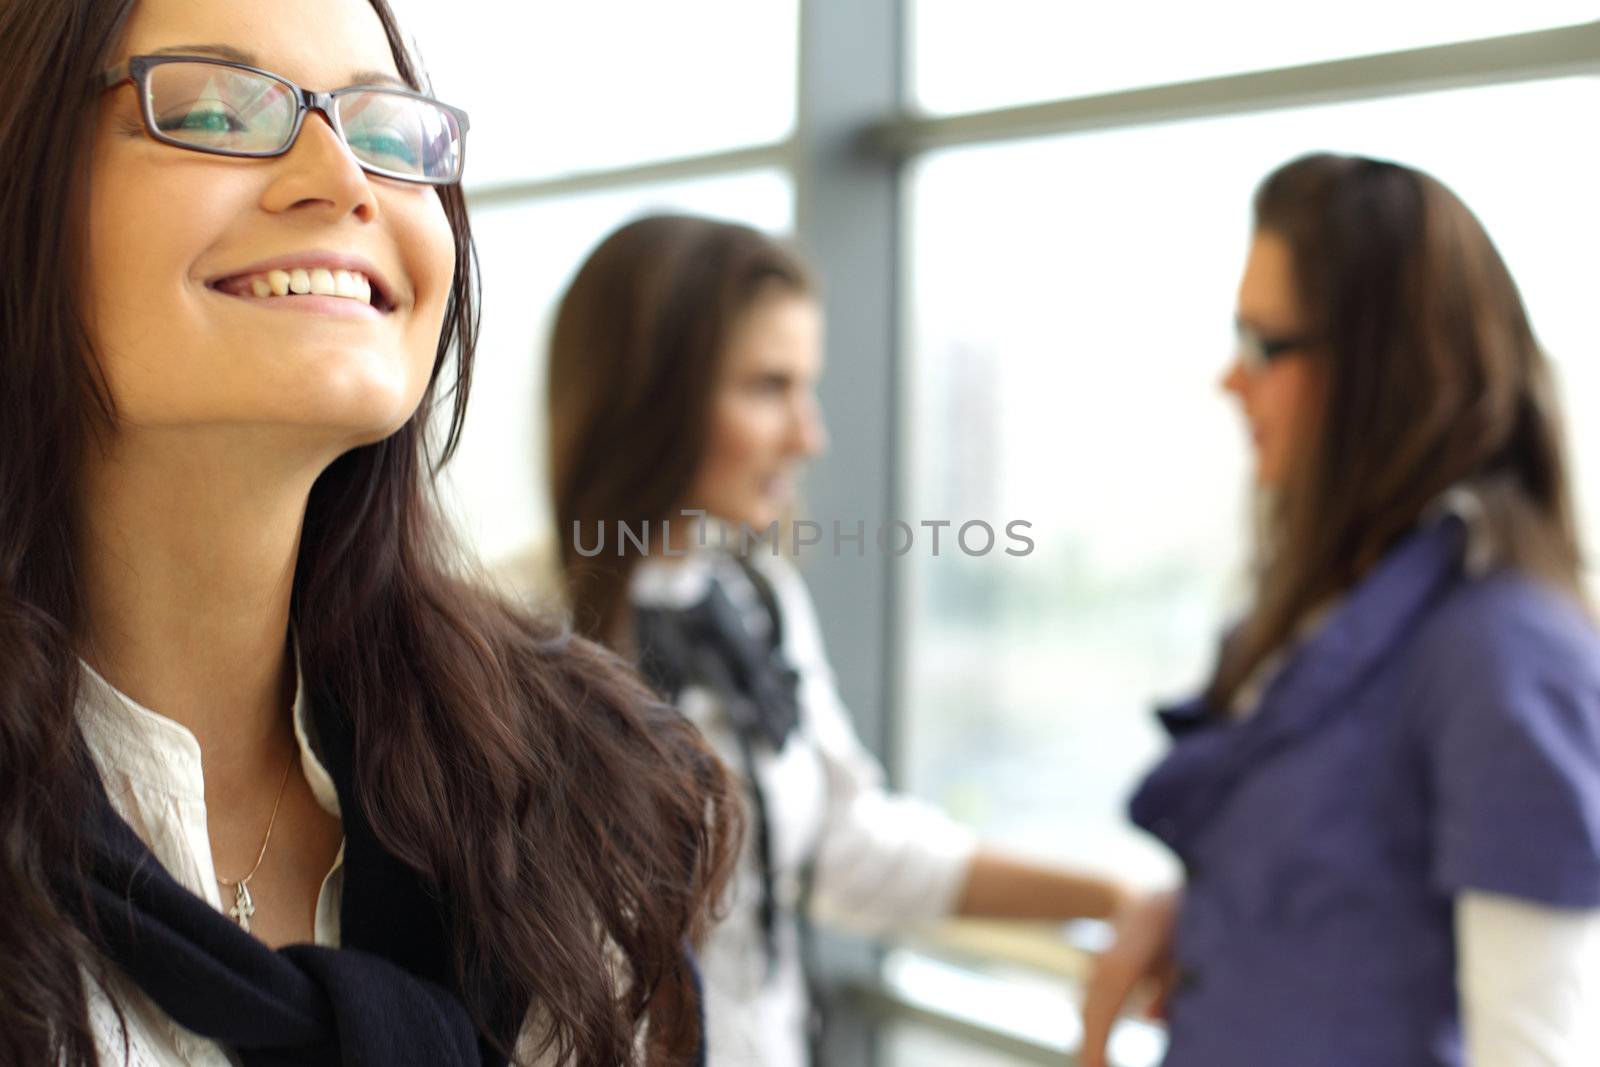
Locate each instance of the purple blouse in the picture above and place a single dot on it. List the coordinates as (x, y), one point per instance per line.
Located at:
(1439, 733)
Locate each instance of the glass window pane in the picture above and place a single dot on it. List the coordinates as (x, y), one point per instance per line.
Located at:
(1070, 310)
(968, 57)
(528, 253)
(558, 88)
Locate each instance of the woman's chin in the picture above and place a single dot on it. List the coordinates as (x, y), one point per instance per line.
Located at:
(1268, 477)
(352, 426)
(358, 387)
(758, 519)
(363, 412)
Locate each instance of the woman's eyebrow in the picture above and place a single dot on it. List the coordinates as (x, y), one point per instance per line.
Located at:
(376, 77)
(237, 55)
(221, 51)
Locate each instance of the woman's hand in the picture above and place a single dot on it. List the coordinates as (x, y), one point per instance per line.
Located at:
(1141, 954)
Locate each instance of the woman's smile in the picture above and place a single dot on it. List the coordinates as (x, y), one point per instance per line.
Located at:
(318, 282)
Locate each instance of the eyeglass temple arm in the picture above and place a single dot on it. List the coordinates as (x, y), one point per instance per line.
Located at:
(116, 75)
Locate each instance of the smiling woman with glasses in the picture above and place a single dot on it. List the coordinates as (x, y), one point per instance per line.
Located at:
(277, 783)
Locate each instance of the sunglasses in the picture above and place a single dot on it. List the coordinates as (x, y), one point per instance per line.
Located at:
(229, 109)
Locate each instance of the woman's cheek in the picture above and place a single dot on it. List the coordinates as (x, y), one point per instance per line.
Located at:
(433, 258)
(745, 440)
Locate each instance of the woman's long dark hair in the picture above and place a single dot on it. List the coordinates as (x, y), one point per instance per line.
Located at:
(579, 828)
(1430, 376)
(634, 360)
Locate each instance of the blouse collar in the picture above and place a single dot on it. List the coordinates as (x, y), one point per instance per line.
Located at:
(156, 752)
(676, 583)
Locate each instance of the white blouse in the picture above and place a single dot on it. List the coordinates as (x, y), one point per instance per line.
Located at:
(153, 776)
(882, 859)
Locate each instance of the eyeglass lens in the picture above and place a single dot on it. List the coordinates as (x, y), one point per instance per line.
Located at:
(1252, 353)
(223, 109)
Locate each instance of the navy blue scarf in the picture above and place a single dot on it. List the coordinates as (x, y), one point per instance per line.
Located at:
(708, 644)
(387, 998)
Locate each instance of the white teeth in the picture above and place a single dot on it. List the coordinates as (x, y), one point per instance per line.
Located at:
(319, 281)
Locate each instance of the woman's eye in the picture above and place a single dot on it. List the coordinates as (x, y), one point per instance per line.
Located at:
(207, 120)
(770, 384)
(385, 144)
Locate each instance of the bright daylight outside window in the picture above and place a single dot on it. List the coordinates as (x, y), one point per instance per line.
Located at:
(573, 87)
(967, 57)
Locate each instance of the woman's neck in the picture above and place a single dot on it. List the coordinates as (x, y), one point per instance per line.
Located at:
(681, 536)
(187, 569)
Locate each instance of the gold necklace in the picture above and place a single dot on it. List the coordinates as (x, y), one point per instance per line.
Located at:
(243, 905)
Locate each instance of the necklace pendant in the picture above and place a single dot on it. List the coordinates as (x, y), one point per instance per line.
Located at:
(243, 907)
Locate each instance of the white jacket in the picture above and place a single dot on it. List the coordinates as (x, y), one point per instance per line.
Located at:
(883, 860)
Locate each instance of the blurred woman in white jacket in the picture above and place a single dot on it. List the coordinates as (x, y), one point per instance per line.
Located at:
(682, 374)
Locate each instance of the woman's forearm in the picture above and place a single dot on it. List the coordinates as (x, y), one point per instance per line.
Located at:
(999, 886)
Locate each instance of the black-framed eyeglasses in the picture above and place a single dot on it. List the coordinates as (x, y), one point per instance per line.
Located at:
(229, 109)
(1256, 353)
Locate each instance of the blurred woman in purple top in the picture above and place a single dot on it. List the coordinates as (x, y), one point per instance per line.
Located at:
(1387, 798)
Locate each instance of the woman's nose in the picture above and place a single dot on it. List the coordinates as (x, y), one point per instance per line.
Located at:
(321, 173)
(810, 436)
(1234, 379)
